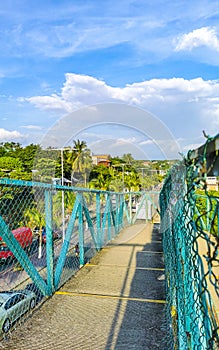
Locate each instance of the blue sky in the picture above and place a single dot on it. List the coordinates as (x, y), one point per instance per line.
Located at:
(58, 57)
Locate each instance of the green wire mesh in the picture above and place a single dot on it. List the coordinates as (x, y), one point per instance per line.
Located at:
(47, 232)
(189, 224)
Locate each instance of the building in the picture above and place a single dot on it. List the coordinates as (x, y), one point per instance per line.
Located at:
(211, 152)
(103, 159)
(212, 183)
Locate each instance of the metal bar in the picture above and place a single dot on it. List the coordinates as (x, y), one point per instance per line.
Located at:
(117, 214)
(113, 215)
(127, 212)
(90, 223)
(49, 243)
(65, 245)
(109, 219)
(105, 216)
(98, 216)
(81, 230)
(121, 211)
(139, 208)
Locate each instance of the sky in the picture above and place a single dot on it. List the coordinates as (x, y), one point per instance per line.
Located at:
(138, 64)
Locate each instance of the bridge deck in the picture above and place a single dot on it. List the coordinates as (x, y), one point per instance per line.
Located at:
(114, 302)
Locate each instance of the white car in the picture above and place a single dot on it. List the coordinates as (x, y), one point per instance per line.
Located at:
(13, 304)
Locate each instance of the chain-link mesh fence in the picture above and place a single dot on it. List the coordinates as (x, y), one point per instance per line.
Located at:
(189, 224)
(47, 232)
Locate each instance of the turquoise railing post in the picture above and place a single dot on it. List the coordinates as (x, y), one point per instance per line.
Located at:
(109, 217)
(117, 214)
(65, 245)
(104, 225)
(121, 211)
(49, 242)
(98, 217)
(81, 230)
(89, 223)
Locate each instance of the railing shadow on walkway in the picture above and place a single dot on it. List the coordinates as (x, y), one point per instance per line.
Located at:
(143, 322)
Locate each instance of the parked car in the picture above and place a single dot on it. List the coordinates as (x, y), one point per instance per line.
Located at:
(13, 304)
(23, 235)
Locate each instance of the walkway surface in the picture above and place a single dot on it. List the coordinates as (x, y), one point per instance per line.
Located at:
(116, 301)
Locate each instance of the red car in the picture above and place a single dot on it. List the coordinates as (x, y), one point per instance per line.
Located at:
(23, 235)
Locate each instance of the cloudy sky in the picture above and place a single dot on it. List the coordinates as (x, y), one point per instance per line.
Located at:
(60, 57)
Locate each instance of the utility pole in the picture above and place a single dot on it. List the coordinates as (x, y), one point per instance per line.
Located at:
(62, 149)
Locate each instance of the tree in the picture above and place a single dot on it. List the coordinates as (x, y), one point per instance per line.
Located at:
(116, 185)
(99, 183)
(127, 158)
(45, 169)
(80, 159)
(27, 155)
(9, 164)
(100, 177)
(132, 182)
(12, 148)
(34, 218)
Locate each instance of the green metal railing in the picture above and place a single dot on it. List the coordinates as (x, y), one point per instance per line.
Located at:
(189, 225)
(64, 238)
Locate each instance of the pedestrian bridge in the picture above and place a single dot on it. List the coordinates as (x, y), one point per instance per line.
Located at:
(114, 273)
(116, 301)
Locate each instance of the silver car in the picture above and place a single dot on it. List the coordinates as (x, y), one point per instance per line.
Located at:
(13, 305)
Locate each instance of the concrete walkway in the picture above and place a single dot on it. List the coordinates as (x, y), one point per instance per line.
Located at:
(115, 302)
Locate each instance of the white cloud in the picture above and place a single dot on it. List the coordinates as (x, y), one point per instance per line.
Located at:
(146, 142)
(52, 103)
(6, 135)
(186, 107)
(204, 36)
(81, 90)
(31, 127)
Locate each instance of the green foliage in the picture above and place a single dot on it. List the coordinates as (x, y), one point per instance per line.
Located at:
(27, 156)
(17, 162)
(45, 169)
(128, 158)
(132, 181)
(21, 175)
(80, 160)
(207, 215)
(8, 165)
(100, 177)
(34, 218)
(11, 197)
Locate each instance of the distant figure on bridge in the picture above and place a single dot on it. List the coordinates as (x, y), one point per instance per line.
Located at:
(76, 249)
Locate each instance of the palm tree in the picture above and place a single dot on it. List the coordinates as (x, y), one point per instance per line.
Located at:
(80, 159)
(34, 218)
(132, 182)
(99, 183)
(127, 158)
